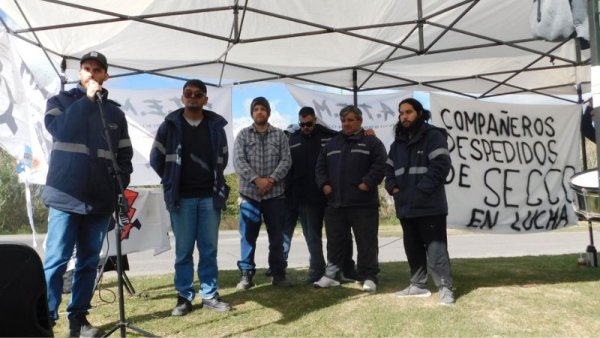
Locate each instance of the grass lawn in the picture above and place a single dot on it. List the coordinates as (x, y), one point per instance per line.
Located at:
(523, 296)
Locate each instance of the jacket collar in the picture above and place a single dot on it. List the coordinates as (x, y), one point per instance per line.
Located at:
(211, 116)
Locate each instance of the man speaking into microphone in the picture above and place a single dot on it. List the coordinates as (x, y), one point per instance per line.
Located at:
(80, 190)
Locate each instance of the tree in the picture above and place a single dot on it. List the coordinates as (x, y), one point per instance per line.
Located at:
(13, 212)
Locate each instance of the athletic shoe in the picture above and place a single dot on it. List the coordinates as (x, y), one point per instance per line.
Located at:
(182, 308)
(446, 296)
(369, 286)
(413, 291)
(80, 327)
(281, 282)
(310, 280)
(325, 282)
(216, 303)
(245, 281)
(349, 277)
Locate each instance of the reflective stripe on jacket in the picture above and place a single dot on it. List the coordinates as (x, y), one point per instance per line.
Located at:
(345, 162)
(165, 157)
(301, 187)
(418, 167)
(79, 175)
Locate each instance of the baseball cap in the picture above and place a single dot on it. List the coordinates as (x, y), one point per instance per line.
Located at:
(99, 57)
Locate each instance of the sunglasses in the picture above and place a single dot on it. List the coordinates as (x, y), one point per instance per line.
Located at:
(188, 94)
(306, 124)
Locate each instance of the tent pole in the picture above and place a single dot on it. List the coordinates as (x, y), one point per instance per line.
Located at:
(595, 69)
(583, 148)
(580, 101)
(63, 73)
(355, 87)
(420, 26)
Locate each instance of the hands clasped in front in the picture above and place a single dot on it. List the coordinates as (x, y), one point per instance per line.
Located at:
(264, 184)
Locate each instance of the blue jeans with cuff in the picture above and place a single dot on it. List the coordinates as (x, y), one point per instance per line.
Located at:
(196, 222)
(65, 230)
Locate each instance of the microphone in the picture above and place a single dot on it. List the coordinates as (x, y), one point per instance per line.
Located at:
(99, 96)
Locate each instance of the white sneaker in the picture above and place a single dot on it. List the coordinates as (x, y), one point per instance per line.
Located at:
(325, 282)
(369, 286)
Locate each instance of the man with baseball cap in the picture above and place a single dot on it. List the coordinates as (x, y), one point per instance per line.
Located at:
(98, 57)
(80, 192)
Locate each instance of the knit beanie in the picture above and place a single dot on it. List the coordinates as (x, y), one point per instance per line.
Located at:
(261, 101)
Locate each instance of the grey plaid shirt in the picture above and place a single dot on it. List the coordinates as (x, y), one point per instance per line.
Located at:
(261, 155)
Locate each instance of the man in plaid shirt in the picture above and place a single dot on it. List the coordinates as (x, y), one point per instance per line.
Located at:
(262, 160)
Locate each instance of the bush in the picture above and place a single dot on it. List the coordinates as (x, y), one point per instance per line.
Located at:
(230, 219)
(13, 212)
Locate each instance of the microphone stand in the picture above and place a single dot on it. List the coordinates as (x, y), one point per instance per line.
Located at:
(121, 218)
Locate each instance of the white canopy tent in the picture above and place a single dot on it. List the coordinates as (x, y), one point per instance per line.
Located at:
(458, 46)
(476, 48)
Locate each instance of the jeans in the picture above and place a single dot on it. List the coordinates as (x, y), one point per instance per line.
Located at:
(251, 212)
(65, 230)
(291, 219)
(196, 222)
(311, 217)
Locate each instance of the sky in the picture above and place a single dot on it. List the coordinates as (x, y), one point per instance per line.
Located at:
(284, 109)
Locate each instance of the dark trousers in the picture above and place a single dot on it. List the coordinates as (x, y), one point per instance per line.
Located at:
(273, 212)
(426, 245)
(364, 222)
(311, 218)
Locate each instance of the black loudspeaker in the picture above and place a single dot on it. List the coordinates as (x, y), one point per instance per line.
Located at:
(111, 263)
(23, 300)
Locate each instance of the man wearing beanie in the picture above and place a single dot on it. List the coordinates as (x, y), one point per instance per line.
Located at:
(262, 160)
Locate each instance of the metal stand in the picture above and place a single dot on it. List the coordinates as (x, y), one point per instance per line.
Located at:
(590, 251)
(126, 281)
(594, 25)
(121, 212)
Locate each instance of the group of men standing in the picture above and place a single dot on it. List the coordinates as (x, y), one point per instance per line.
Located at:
(315, 174)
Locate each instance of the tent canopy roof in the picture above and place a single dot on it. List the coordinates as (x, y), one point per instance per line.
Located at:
(460, 46)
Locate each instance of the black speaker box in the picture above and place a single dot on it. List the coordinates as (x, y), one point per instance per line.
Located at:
(23, 300)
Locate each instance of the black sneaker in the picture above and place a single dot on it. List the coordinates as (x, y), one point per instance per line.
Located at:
(245, 280)
(311, 279)
(350, 277)
(216, 303)
(281, 282)
(182, 308)
(80, 327)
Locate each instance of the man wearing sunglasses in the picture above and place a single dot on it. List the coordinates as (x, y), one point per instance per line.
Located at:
(190, 154)
(304, 198)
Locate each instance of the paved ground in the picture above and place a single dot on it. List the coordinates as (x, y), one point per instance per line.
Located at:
(390, 249)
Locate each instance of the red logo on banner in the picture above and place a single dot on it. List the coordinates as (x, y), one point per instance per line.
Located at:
(130, 197)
